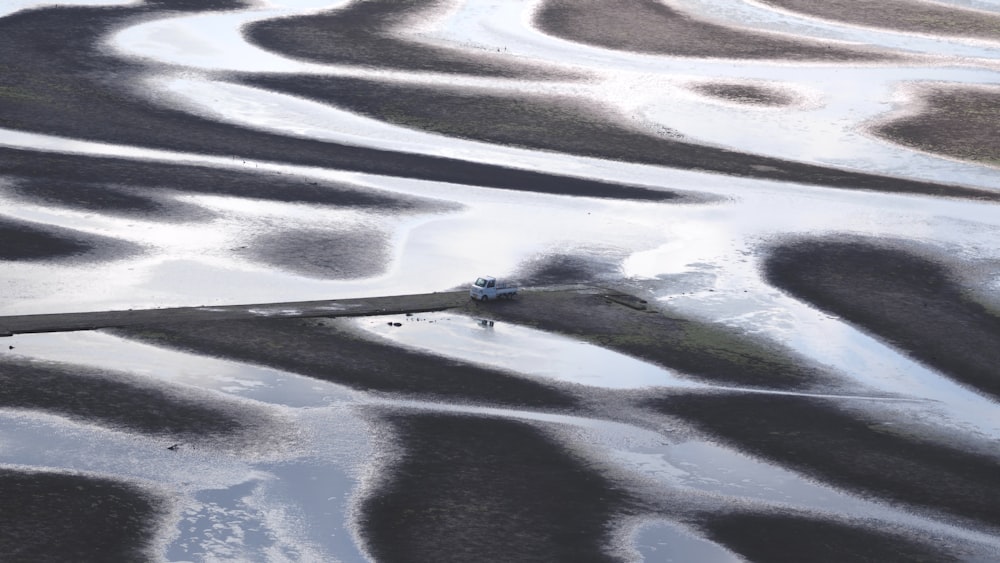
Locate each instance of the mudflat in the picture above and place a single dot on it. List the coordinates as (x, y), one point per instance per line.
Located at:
(474, 461)
(957, 121)
(442, 462)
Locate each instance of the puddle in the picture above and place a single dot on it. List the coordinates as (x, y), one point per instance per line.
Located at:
(522, 350)
(665, 464)
(215, 40)
(294, 505)
(938, 402)
(110, 352)
(295, 513)
(719, 475)
(669, 542)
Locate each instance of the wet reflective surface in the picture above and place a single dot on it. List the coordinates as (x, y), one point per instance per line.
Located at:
(521, 350)
(173, 158)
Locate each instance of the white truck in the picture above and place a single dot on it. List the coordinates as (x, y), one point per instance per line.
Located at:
(488, 287)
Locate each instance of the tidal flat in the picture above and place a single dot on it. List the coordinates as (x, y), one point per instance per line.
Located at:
(756, 245)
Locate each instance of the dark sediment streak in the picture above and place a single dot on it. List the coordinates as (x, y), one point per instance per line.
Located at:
(930, 18)
(713, 353)
(572, 268)
(956, 121)
(33, 242)
(308, 348)
(451, 495)
(749, 94)
(106, 199)
(362, 34)
(65, 178)
(909, 301)
(800, 537)
(123, 402)
(155, 178)
(816, 437)
(571, 126)
(345, 254)
(61, 517)
(647, 26)
(85, 92)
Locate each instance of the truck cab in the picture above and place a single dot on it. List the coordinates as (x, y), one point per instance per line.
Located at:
(488, 287)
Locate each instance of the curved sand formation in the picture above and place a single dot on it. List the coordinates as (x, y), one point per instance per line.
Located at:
(824, 397)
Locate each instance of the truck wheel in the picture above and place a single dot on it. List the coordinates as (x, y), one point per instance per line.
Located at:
(484, 298)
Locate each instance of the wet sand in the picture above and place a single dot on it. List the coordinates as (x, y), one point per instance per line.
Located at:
(905, 299)
(118, 401)
(64, 517)
(455, 486)
(705, 351)
(745, 93)
(450, 494)
(64, 100)
(83, 182)
(344, 254)
(151, 191)
(35, 242)
(656, 27)
(75, 98)
(804, 538)
(821, 438)
(956, 121)
(361, 34)
(328, 352)
(900, 15)
(571, 126)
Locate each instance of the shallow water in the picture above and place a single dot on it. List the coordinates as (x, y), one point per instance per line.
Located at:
(663, 540)
(521, 350)
(251, 505)
(701, 259)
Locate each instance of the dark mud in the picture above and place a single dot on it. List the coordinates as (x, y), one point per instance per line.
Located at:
(23, 241)
(112, 200)
(127, 403)
(654, 27)
(326, 351)
(571, 268)
(957, 121)
(66, 517)
(463, 488)
(345, 254)
(447, 490)
(484, 489)
(572, 126)
(708, 352)
(145, 188)
(742, 93)
(908, 300)
(823, 438)
(363, 34)
(148, 191)
(792, 538)
(86, 92)
(931, 18)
